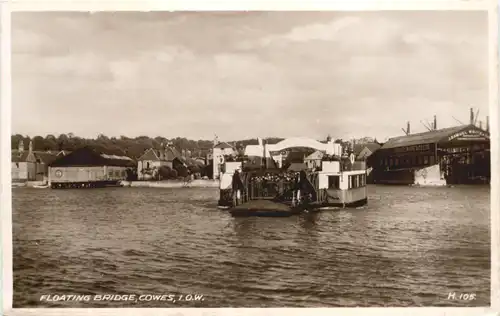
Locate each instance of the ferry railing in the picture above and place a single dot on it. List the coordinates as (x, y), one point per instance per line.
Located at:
(268, 190)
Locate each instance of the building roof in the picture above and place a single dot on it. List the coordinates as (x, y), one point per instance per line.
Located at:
(315, 155)
(223, 145)
(171, 153)
(45, 157)
(41, 156)
(358, 148)
(152, 154)
(437, 136)
(92, 156)
(63, 153)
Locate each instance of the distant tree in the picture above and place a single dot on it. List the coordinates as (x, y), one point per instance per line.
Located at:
(15, 140)
(131, 174)
(50, 137)
(174, 174)
(182, 171)
(165, 172)
(39, 143)
(194, 169)
(102, 137)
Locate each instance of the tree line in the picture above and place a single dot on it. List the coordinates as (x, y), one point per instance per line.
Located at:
(127, 146)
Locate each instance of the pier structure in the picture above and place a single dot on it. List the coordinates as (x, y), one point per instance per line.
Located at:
(454, 155)
(88, 167)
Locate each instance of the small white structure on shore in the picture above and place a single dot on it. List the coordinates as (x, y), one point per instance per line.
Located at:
(220, 150)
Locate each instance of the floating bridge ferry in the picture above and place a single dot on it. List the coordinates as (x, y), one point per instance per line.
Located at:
(263, 182)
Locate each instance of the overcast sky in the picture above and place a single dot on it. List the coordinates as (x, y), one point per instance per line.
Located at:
(243, 75)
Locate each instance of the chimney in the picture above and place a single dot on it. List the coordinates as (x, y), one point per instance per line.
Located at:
(488, 124)
(435, 123)
(471, 116)
(162, 152)
(408, 128)
(20, 147)
(31, 146)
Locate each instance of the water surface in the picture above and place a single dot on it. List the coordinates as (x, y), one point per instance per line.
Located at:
(407, 247)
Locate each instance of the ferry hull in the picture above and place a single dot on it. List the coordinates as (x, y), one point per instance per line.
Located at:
(263, 208)
(241, 213)
(336, 205)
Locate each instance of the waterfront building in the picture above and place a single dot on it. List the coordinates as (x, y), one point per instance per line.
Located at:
(459, 154)
(89, 167)
(150, 162)
(314, 160)
(30, 165)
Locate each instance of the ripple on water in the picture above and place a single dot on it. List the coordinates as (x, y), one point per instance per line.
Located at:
(399, 250)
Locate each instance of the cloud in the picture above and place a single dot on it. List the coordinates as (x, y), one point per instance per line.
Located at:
(321, 32)
(273, 73)
(349, 32)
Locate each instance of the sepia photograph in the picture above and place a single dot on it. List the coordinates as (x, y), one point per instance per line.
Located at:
(251, 159)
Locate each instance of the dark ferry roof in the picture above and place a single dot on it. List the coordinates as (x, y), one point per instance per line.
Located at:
(93, 156)
(436, 136)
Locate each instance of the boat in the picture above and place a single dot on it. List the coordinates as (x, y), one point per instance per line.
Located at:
(263, 182)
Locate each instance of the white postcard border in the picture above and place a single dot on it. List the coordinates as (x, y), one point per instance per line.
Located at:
(6, 286)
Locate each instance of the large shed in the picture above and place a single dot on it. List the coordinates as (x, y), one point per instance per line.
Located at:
(458, 154)
(89, 167)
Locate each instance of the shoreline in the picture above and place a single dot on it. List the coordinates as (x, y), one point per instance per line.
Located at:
(171, 184)
(136, 184)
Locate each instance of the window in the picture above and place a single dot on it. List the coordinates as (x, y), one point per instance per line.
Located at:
(357, 181)
(333, 182)
(426, 160)
(17, 164)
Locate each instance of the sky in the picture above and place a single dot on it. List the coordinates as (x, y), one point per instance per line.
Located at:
(246, 74)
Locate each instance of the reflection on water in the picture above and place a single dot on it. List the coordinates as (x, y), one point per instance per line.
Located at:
(407, 247)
